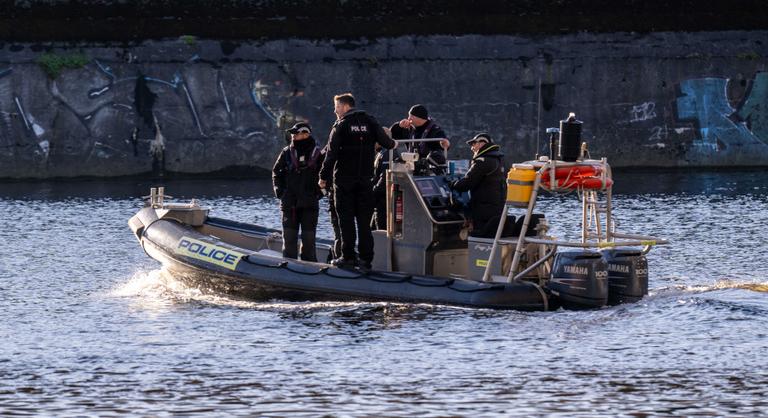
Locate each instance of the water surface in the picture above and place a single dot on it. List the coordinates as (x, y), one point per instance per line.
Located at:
(89, 325)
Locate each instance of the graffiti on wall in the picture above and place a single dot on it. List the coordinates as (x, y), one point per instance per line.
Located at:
(754, 110)
(187, 103)
(720, 127)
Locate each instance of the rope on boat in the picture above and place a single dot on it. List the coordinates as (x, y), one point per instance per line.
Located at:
(381, 277)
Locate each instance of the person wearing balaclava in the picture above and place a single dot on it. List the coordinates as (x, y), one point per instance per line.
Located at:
(294, 179)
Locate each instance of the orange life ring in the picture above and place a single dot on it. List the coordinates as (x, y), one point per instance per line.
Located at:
(586, 170)
(593, 183)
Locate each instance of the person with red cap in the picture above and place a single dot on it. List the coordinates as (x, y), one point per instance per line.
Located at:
(485, 181)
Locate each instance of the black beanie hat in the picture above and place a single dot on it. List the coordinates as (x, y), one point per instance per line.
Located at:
(419, 111)
(482, 136)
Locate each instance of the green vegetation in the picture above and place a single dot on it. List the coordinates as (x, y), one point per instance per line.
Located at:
(751, 55)
(53, 64)
(188, 39)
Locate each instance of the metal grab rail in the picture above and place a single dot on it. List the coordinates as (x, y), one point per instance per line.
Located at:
(599, 244)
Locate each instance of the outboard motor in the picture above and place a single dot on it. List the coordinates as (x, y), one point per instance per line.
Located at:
(579, 279)
(627, 275)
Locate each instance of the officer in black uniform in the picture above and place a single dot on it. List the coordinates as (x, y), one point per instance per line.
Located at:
(485, 181)
(419, 125)
(336, 249)
(350, 157)
(294, 178)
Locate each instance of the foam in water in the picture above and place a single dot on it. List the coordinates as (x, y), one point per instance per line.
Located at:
(158, 288)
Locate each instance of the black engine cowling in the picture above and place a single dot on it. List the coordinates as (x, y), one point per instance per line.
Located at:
(627, 275)
(579, 279)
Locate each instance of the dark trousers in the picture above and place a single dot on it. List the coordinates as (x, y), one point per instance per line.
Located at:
(354, 206)
(293, 220)
(336, 250)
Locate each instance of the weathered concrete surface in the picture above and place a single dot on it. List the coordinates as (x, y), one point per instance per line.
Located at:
(121, 20)
(196, 106)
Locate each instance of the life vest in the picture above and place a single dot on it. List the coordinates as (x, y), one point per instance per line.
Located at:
(293, 160)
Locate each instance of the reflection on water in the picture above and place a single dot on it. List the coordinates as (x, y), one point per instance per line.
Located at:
(89, 325)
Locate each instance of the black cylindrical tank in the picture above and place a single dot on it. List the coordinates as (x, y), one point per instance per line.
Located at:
(627, 275)
(579, 279)
(570, 139)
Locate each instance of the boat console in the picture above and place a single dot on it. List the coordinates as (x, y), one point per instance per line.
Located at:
(437, 198)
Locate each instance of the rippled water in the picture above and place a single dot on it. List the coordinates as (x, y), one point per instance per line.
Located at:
(90, 326)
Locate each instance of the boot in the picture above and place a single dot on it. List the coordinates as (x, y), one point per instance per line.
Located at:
(290, 242)
(308, 251)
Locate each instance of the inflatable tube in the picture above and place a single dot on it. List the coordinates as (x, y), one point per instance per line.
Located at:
(207, 262)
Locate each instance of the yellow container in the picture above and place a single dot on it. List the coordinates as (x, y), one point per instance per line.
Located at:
(520, 184)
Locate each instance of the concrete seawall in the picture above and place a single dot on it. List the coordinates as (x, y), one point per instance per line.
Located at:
(192, 105)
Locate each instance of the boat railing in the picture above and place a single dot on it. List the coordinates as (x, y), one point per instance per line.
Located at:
(413, 141)
(157, 199)
(592, 209)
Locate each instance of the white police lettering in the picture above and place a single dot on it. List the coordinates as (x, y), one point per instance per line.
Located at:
(358, 128)
(619, 268)
(576, 270)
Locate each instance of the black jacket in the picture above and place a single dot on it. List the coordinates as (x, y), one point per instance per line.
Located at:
(486, 182)
(295, 175)
(350, 147)
(427, 130)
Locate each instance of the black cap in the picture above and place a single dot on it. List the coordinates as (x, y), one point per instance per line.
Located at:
(300, 127)
(419, 111)
(482, 136)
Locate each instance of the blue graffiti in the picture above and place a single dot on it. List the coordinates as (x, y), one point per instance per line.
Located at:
(704, 101)
(107, 70)
(256, 94)
(755, 108)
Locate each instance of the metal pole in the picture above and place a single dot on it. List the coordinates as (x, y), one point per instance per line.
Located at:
(538, 120)
(502, 221)
(584, 226)
(538, 263)
(390, 215)
(598, 224)
(521, 239)
(608, 203)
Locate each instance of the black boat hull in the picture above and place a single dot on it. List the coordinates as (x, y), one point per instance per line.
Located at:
(213, 265)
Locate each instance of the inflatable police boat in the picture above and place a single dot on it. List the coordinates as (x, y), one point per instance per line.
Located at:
(426, 254)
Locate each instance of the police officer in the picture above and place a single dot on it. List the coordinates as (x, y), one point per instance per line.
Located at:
(336, 248)
(419, 125)
(350, 157)
(485, 181)
(294, 178)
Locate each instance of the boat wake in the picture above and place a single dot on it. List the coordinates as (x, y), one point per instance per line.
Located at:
(722, 284)
(159, 288)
